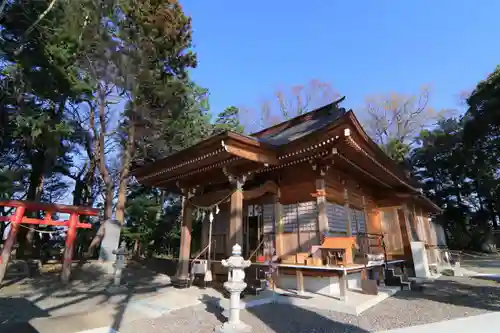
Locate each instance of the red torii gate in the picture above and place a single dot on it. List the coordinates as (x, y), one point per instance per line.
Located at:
(18, 217)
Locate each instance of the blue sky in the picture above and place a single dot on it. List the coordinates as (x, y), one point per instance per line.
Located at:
(248, 49)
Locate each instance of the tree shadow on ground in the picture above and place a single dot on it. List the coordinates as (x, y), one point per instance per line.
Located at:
(459, 291)
(89, 290)
(283, 318)
(160, 265)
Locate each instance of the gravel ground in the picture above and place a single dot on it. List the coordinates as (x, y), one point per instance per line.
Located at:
(447, 298)
(44, 296)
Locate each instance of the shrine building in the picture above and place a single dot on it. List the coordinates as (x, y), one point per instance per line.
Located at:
(316, 190)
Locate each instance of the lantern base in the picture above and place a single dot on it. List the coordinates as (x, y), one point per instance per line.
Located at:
(239, 327)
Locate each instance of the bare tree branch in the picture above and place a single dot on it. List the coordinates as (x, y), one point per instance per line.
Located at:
(289, 103)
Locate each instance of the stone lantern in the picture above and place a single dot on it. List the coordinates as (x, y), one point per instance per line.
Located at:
(120, 263)
(235, 285)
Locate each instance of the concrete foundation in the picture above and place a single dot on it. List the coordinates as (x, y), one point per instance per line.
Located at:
(356, 304)
(327, 286)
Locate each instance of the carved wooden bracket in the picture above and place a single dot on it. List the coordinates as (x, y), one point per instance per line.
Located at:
(239, 181)
(320, 166)
(267, 187)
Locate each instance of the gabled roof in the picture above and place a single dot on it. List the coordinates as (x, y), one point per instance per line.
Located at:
(298, 127)
(300, 138)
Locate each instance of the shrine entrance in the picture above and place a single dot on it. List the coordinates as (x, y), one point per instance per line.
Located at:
(18, 219)
(252, 228)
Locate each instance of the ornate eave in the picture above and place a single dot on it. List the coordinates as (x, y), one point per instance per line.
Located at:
(225, 149)
(341, 142)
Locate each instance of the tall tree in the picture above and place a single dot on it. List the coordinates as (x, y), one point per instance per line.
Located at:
(228, 120)
(39, 60)
(457, 163)
(288, 103)
(393, 120)
(155, 42)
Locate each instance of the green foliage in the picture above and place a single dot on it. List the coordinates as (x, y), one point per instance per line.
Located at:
(458, 162)
(228, 120)
(141, 51)
(397, 150)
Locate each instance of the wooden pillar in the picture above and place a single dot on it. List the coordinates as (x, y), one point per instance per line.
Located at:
(11, 240)
(406, 231)
(365, 213)
(416, 224)
(348, 212)
(278, 220)
(235, 234)
(69, 248)
(185, 248)
(410, 227)
(321, 202)
(205, 229)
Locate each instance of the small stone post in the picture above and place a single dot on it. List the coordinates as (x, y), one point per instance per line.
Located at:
(119, 264)
(457, 270)
(235, 285)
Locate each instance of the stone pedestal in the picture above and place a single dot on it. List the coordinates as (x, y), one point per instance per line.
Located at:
(420, 260)
(110, 242)
(235, 285)
(234, 327)
(457, 270)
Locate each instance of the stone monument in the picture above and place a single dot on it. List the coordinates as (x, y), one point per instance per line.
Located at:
(420, 261)
(235, 285)
(109, 243)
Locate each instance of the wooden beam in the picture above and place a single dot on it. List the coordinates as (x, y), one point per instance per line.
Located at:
(268, 187)
(255, 154)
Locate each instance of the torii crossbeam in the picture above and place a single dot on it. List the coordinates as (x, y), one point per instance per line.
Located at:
(18, 218)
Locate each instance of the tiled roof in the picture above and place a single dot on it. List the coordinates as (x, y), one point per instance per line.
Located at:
(314, 121)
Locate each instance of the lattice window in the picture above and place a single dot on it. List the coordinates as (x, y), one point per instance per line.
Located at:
(290, 218)
(308, 216)
(358, 217)
(268, 218)
(337, 217)
(305, 212)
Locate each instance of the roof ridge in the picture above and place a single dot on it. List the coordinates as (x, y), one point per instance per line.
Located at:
(293, 121)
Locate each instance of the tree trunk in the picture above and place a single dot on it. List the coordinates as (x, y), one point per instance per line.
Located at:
(125, 174)
(136, 249)
(25, 237)
(103, 170)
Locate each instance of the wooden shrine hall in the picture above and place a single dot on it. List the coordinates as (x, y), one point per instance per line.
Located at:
(316, 190)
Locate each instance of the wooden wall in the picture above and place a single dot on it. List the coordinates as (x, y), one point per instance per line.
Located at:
(297, 184)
